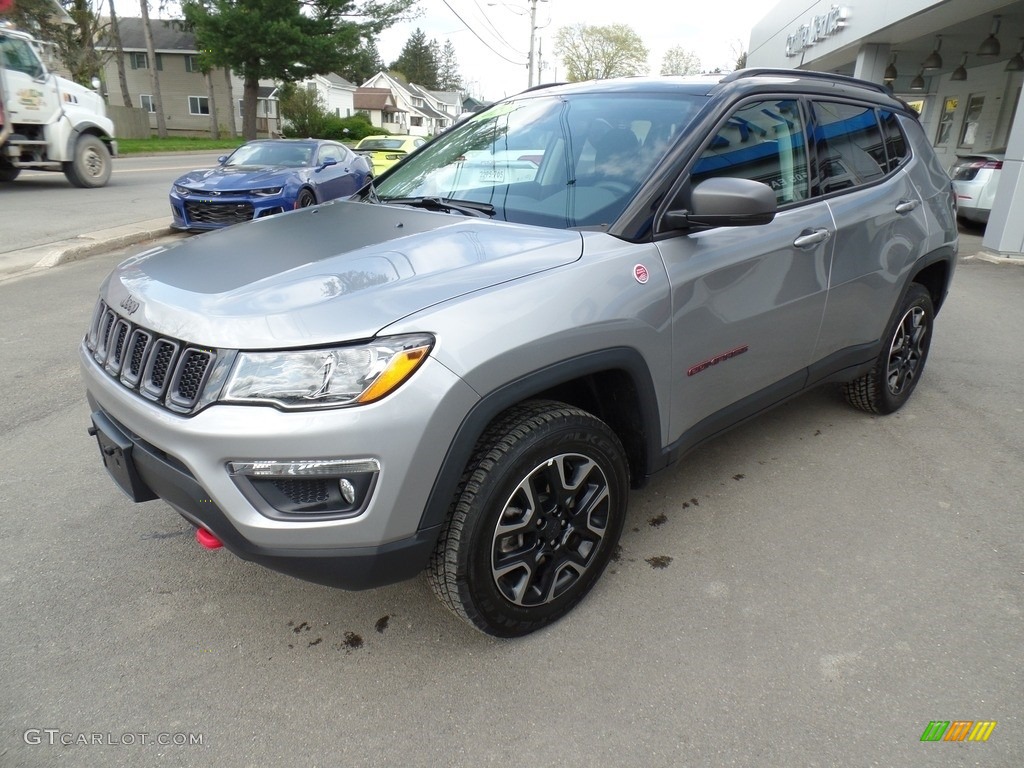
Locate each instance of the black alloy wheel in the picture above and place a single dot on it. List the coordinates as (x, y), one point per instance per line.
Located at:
(536, 519)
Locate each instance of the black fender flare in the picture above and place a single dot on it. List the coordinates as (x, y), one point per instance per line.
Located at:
(490, 405)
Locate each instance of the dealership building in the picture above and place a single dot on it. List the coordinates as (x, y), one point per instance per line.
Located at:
(960, 63)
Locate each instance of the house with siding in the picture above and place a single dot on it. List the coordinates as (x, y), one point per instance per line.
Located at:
(380, 106)
(185, 91)
(337, 94)
(422, 114)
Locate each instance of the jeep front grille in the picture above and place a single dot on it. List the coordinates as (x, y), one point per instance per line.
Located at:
(166, 370)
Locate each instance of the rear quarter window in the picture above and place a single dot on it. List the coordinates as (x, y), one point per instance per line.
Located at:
(850, 146)
(897, 150)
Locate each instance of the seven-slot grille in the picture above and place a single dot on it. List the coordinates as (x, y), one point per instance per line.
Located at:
(158, 367)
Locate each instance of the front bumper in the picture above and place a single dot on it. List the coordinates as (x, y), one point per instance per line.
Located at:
(197, 213)
(185, 461)
(351, 568)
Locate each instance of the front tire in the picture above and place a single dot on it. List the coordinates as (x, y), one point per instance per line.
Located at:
(8, 173)
(889, 384)
(91, 164)
(305, 199)
(537, 517)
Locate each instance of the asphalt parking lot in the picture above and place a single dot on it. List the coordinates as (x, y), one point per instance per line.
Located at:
(812, 589)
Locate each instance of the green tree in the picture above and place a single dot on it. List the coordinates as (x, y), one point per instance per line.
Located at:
(75, 43)
(448, 76)
(366, 62)
(304, 110)
(285, 40)
(679, 61)
(595, 53)
(36, 17)
(417, 62)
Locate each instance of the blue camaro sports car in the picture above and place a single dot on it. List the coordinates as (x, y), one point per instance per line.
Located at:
(265, 177)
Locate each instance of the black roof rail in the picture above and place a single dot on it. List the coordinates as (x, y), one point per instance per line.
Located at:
(757, 71)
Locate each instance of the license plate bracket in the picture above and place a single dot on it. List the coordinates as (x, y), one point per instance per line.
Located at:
(116, 452)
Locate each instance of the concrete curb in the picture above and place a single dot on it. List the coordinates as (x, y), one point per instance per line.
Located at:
(64, 251)
(994, 258)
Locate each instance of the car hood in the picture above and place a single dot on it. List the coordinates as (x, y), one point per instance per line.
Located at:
(332, 273)
(236, 177)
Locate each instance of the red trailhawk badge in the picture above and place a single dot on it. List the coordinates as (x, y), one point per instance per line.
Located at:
(641, 274)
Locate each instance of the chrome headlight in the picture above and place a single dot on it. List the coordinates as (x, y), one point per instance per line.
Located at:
(267, 192)
(326, 378)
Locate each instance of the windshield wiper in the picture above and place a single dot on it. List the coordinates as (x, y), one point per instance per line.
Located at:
(370, 192)
(467, 207)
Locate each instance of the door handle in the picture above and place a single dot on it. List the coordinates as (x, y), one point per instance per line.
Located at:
(906, 206)
(811, 237)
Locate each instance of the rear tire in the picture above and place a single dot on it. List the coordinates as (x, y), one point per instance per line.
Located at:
(889, 384)
(537, 517)
(8, 173)
(91, 164)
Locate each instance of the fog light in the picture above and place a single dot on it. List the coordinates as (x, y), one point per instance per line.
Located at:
(348, 491)
(314, 489)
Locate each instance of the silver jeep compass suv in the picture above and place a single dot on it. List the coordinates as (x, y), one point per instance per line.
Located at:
(465, 368)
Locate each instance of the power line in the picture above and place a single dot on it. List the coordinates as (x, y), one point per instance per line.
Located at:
(477, 36)
(494, 29)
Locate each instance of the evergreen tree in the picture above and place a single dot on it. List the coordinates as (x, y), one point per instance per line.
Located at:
(448, 75)
(417, 62)
(366, 62)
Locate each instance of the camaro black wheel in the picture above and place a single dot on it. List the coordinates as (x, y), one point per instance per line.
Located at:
(305, 199)
(91, 165)
(536, 519)
(889, 384)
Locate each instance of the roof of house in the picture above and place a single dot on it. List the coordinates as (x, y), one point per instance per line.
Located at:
(375, 99)
(448, 97)
(168, 35)
(338, 80)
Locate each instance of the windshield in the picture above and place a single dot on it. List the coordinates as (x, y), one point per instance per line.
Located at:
(380, 144)
(16, 54)
(272, 153)
(560, 161)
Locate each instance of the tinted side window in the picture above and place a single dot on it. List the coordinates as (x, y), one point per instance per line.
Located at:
(327, 152)
(763, 141)
(896, 150)
(849, 145)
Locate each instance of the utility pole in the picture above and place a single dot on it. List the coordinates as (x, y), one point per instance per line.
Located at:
(533, 40)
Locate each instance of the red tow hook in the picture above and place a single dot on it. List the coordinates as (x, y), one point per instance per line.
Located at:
(207, 539)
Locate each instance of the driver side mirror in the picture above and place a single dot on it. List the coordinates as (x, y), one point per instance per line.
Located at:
(327, 163)
(726, 202)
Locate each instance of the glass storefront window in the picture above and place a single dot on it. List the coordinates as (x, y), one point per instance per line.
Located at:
(969, 131)
(946, 120)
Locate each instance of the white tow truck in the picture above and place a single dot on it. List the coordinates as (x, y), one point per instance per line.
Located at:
(49, 123)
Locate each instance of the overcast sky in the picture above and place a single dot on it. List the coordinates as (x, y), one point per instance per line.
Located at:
(492, 38)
